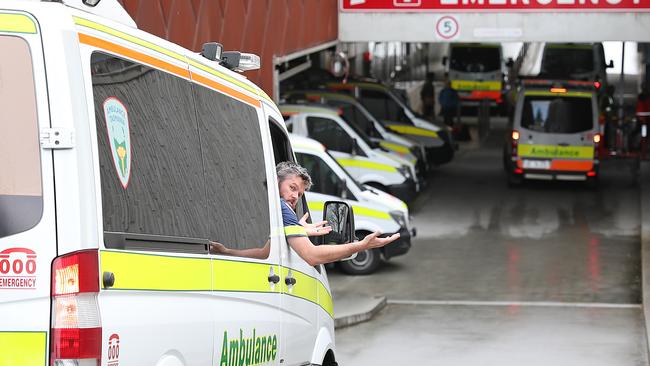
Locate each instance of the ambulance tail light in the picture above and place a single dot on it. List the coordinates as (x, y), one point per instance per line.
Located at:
(597, 145)
(597, 84)
(514, 142)
(76, 333)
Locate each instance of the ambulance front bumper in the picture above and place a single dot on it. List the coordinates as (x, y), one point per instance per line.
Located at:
(398, 247)
(405, 191)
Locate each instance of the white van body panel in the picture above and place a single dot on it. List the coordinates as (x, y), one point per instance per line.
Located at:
(361, 171)
(155, 326)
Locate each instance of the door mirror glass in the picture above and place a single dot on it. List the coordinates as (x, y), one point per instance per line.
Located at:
(340, 217)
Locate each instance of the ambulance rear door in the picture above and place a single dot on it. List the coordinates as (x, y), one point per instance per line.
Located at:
(557, 130)
(27, 215)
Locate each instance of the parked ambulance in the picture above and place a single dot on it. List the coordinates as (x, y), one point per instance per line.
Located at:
(358, 116)
(122, 156)
(397, 116)
(353, 149)
(373, 209)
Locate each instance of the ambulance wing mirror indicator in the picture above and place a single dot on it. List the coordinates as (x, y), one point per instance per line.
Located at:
(212, 51)
(340, 217)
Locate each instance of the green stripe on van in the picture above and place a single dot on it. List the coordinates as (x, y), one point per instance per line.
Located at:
(23, 348)
(366, 165)
(17, 23)
(555, 152)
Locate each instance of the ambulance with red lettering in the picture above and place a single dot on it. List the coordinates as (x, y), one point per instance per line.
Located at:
(123, 157)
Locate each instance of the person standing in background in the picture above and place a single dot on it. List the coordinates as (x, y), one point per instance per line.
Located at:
(427, 95)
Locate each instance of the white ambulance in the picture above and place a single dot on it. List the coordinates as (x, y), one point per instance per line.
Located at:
(353, 149)
(373, 209)
(122, 156)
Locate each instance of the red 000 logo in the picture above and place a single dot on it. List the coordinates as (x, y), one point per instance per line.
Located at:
(11, 261)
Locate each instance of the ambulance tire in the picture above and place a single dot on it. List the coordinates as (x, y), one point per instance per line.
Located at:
(365, 263)
(514, 180)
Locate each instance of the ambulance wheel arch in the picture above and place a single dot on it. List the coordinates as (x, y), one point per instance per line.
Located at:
(323, 350)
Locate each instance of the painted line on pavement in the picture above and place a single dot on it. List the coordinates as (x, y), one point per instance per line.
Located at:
(516, 303)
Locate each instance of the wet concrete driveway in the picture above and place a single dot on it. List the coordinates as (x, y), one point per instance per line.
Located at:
(543, 274)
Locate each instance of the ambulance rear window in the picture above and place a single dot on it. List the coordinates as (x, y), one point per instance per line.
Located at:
(21, 196)
(553, 114)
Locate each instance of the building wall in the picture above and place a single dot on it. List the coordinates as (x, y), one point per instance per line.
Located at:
(265, 27)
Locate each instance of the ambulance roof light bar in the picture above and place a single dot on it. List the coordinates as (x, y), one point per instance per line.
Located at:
(233, 60)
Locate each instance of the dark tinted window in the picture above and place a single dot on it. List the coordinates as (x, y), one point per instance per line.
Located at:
(557, 114)
(564, 61)
(356, 118)
(21, 195)
(383, 107)
(330, 134)
(324, 179)
(172, 155)
(162, 190)
(235, 172)
(475, 59)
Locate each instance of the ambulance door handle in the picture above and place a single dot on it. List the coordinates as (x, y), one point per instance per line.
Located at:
(274, 278)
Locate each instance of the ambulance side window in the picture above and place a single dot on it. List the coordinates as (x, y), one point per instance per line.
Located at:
(149, 149)
(21, 195)
(330, 134)
(235, 172)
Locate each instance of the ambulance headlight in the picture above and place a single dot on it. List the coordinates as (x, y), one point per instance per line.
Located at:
(399, 218)
(91, 2)
(405, 171)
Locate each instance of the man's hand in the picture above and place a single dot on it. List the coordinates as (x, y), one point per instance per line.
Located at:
(374, 241)
(218, 248)
(314, 229)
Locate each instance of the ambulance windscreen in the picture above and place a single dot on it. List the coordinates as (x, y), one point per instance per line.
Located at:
(552, 114)
(21, 196)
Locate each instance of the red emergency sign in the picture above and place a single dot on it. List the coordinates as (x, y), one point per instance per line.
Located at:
(494, 5)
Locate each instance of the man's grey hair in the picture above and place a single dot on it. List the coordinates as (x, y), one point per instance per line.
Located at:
(286, 169)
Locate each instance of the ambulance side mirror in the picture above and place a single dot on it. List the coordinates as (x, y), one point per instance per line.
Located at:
(340, 217)
(610, 64)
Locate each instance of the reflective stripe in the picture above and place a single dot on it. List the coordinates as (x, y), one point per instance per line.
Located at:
(395, 147)
(567, 165)
(294, 230)
(542, 93)
(555, 152)
(154, 47)
(358, 210)
(296, 110)
(366, 165)
(17, 23)
(23, 348)
(250, 277)
(412, 130)
(137, 271)
(476, 85)
(171, 68)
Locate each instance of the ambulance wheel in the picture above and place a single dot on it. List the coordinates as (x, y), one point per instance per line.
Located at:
(514, 180)
(365, 263)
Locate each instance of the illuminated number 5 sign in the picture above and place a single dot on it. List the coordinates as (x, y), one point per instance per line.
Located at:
(447, 27)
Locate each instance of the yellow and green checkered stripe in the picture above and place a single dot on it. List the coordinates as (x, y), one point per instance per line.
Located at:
(544, 93)
(358, 210)
(412, 130)
(354, 163)
(23, 348)
(476, 85)
(169, 53)
(17, 23)
(555, 152)
(153, 272)
(394, 147)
